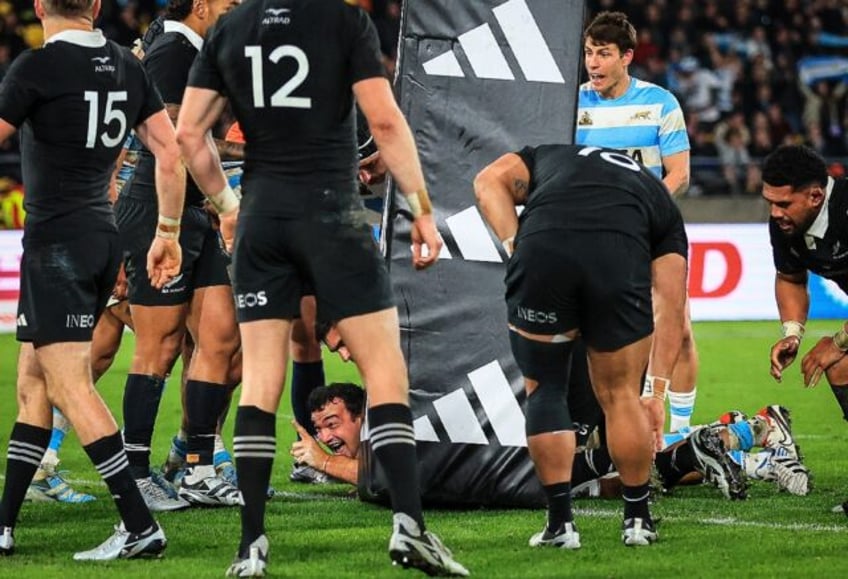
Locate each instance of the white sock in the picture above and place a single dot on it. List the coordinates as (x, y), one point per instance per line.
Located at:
(219, 444)
(198, 472)
(681, 406)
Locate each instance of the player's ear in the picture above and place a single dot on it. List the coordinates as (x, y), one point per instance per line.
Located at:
(95, 9)
(817, 196)
(38, 6)
(627, 56)
(200, 8)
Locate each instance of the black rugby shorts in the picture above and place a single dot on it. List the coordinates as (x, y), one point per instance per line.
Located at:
(65, 286)
(204, 259)
(275, 260)
(598, 282)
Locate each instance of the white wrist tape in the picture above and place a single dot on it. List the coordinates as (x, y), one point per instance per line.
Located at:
(168, 221)
(167, 234)
(419, 203)
(840, 339)
(225, 201)
(168, 228)
(655, 387)
(793, 328)
(509, 245)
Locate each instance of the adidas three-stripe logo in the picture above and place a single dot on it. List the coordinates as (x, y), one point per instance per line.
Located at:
(459, 419)
(486, 58)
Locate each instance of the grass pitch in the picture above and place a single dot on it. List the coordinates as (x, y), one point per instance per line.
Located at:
(321, 531)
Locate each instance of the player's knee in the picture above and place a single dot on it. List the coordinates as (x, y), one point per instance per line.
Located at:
(157, 357)
(547, 410)
(101, 363)
(546, 363)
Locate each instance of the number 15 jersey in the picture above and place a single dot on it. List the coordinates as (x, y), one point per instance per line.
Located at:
(75, 100)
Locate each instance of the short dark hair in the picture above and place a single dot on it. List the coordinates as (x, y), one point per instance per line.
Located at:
(350, 394)
(69, 8)
(178, 9)
(798, 166)
(612, 28)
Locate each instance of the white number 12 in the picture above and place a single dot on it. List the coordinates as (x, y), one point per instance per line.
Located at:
(282, 96)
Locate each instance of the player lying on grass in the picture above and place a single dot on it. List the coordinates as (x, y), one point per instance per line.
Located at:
(720, 452)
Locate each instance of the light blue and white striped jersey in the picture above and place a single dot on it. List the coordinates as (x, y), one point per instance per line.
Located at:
(646, 121)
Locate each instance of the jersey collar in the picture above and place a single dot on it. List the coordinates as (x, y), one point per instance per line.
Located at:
(87, 38)
(819, 226)
(191, 35)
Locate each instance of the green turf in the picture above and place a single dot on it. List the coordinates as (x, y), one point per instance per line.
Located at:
(322, 532)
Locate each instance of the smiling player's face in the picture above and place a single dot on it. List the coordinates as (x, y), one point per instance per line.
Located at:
(337, 428)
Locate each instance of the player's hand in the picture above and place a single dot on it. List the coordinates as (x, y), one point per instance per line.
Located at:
(163, 261)
(823, 355)
(228, 228)
(424, 233)
(782, 355)
(121, 287)
(372, 169)
(655, 410)
(307, 450)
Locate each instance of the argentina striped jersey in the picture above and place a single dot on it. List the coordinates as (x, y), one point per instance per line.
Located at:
(646, 121)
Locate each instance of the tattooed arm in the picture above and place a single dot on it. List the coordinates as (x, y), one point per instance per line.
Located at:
(499, 188)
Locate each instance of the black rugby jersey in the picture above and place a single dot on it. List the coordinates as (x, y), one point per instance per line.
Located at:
(167, 62)
(588, 189)
(826, 256)
(74, 101)
(287, 67)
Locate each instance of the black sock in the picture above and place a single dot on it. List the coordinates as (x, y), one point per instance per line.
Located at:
(205, 402)
(111, 462)
(142, 395)
(841, 393)
(254, 444)
(636, 501)
(590, 465)
(559, 505)
(393, 442)
(675, 463)
(306, 377)
(27, 446)
(223, 417)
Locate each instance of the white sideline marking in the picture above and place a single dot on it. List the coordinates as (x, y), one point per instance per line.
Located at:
(723, 521)
(726, 521)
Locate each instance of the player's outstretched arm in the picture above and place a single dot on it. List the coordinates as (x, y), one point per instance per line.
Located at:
(165, 256)
(793, 303)
(397, 150)
(668, 283)
(499, 187)
(200, 109)
(676, 173)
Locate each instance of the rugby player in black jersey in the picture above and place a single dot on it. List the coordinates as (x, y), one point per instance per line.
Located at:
(290, 70)
(199, 298)
(809, 233)
(72, 129)
(598, 234)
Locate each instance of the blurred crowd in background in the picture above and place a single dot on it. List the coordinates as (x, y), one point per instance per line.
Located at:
(749, 74)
